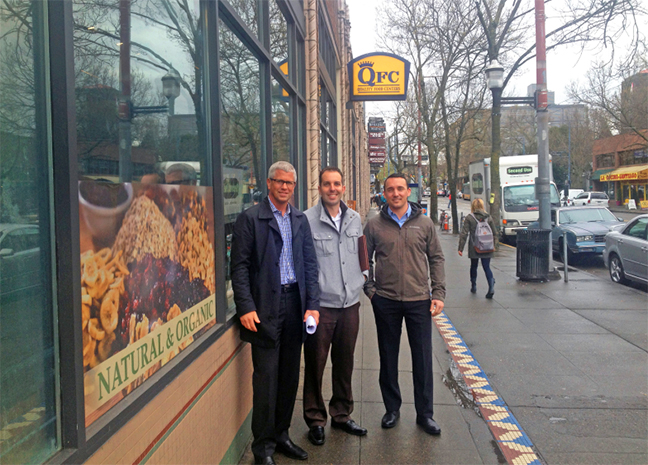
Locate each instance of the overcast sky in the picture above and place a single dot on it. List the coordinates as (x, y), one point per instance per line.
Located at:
(563, 66)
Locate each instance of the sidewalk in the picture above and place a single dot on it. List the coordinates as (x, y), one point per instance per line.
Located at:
(568, 360)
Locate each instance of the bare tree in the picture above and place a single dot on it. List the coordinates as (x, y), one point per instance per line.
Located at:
(404, 138)
(434, 35)
(583, 22)
(611, 89)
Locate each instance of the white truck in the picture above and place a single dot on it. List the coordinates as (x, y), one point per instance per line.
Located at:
(519, 206)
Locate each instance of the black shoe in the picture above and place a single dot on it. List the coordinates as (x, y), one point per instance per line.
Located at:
(350, 427)
(291, 450)
(473, 287)
(429, 425)
(390, 419)
(264, 460)
(316, 435)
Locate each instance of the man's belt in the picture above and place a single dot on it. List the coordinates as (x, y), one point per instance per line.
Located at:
(292, 287)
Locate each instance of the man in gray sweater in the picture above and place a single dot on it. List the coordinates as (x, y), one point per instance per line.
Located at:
(336, 230)
(407, 282)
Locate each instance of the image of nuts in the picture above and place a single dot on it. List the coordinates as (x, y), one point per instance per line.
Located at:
(145, 230)
(104, 349)
(85, 315)
(173, 312)
(89, 353)
(94, 331)
(109, 313)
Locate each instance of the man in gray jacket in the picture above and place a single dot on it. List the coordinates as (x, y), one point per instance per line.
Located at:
(408, 282)
(336, 230)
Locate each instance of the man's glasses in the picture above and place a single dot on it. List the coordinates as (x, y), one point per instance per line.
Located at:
(282, 183)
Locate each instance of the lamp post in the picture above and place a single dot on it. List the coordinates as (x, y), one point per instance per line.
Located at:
(171, 88)
(495, 81)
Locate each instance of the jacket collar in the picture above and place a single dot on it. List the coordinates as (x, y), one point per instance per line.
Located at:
(416, 211)
(265, 213)
(325, 216)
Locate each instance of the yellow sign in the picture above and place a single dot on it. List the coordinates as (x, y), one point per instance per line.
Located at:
(283, 66)
(643, 204)
(378, 76)
(627, 173)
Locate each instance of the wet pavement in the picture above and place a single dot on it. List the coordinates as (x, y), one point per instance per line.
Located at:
(552, 373)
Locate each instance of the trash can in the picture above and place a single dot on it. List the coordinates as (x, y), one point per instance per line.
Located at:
(533, 254)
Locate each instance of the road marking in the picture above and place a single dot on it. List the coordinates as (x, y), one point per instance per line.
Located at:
(511, 439)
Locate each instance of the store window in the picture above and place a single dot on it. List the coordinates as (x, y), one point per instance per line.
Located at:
(29, 417)
(328, 127)
(280, 123)
(477, 183)
(145, 197)
(278, 35)
(605, 161)
(243, 167)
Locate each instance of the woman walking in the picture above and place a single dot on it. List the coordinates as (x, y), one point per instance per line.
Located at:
(477, 214)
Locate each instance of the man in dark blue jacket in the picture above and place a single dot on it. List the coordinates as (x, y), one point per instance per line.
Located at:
(274, 277)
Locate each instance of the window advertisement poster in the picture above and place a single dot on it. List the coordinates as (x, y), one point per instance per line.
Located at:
(147, 282)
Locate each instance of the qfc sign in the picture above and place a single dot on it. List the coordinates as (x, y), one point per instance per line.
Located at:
(378, 76)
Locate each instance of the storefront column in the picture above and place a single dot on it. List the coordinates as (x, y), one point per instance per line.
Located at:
(312, 102)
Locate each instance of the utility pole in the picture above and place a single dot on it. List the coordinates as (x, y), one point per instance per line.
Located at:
(543, 186)
(124, 108)
(542, 119)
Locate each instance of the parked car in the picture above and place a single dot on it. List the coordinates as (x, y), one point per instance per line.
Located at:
(569, 199)
(626, 252)
(19, 258)
(586, 228)
(441, 193)
(591, 198)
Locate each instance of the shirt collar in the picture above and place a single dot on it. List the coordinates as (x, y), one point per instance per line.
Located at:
(405, 216)
(276, 210)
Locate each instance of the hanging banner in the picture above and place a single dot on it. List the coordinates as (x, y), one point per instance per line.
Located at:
(378, 76)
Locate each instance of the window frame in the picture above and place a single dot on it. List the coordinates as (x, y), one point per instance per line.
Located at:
(78, 443)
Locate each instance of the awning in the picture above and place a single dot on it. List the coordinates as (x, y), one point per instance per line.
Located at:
(596, 175)
(627, 173)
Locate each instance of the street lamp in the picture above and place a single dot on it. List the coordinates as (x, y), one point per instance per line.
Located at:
(171, 88)
(495, 75)
(495, 81)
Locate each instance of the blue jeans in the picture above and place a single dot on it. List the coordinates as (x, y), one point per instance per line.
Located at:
(485, 266)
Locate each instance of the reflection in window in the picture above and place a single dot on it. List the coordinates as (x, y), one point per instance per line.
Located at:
(477, 183)
(28, 413)
(148, 58)
(278, 33)
(240, 133)
(159, 116)
(280, 123)
(248, 11)
(639, 229)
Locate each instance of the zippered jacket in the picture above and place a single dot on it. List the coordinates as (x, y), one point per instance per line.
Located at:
(340, 277)
(405, 264)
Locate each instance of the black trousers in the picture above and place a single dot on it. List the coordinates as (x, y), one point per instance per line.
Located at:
(276, 379)
(337, 331)
(389, 316)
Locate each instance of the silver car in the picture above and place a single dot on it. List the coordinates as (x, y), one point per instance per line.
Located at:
(626, 251)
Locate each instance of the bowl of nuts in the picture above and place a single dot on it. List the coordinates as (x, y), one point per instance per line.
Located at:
(103, 205)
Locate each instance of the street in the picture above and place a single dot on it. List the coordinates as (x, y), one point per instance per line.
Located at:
(592, 264)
